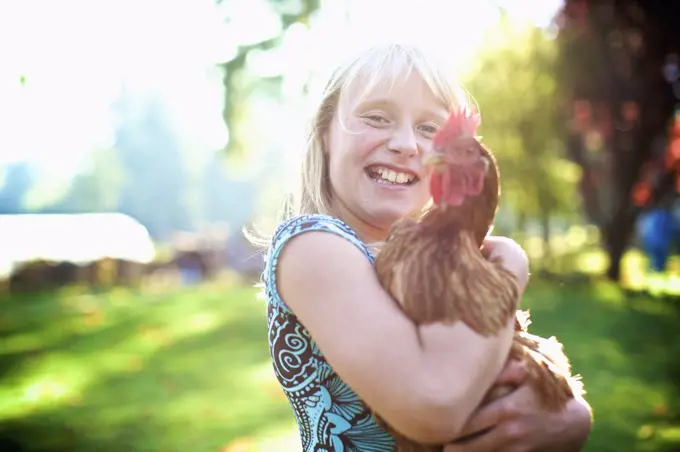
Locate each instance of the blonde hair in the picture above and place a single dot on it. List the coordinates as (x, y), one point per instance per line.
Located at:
(377, 64)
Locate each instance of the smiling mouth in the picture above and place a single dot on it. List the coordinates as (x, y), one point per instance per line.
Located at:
(383, 175)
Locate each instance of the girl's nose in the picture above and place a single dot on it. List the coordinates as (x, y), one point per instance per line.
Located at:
(403, 142)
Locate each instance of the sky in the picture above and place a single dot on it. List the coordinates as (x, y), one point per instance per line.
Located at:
(75, 54)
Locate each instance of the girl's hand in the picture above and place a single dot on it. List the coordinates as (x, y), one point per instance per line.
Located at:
(517, 423)
(510, 254)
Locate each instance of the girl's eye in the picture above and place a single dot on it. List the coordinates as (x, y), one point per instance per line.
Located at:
(376, 118)
(428, 129)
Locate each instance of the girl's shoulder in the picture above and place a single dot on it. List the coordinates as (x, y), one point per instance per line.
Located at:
(293, 227)
(313, 222)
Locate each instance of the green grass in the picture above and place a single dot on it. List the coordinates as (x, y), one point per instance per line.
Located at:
(627, 348)
(186, 370)
(189, 370)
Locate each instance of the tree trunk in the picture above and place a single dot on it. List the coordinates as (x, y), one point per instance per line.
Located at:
(617, 235)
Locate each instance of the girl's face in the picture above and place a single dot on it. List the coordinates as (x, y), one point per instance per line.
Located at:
(375, 150)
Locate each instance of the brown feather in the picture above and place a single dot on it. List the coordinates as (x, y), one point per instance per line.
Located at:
(548, 367)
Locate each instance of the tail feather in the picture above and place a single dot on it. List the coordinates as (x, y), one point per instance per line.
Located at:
(548, 353)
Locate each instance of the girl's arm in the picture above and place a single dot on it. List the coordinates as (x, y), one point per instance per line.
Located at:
(425, 390)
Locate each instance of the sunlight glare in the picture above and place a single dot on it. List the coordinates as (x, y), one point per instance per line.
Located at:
(76, 54)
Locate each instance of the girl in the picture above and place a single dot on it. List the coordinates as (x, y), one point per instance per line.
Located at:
(336, 338)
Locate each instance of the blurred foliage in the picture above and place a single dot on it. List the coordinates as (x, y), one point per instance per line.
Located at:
(98, 189)
(147, 174)
(618, 105)
(239, 83)
(577, 117)
(514, 83)
(17, 180)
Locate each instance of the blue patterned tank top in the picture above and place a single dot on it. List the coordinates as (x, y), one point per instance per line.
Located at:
(330, 416)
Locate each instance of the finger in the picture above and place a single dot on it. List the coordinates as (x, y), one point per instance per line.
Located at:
(514, 373)
(495, 240)
(489, 442)
(487, 249)
(499, 410)
(496, 392)
(485, 418)
(491, 242)
(453, 448)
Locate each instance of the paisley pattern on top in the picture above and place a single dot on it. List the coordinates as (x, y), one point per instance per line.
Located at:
(330, 416)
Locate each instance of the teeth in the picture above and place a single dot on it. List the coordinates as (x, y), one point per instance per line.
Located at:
(392, 176)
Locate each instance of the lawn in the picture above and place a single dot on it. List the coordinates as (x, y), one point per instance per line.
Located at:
(188, 369)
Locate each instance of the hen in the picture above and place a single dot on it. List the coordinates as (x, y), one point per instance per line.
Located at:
(435, 270)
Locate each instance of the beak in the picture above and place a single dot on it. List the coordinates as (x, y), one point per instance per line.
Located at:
(435, 160)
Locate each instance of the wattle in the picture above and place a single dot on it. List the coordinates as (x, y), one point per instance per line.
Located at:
(436, 187)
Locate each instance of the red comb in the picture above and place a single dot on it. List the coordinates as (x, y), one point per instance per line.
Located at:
(462, 123)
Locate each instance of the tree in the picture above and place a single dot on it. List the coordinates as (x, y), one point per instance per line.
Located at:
(154, 187)
(238, 85)
(514, 83)
(97, 189)
(18, 181)
(618, 105)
